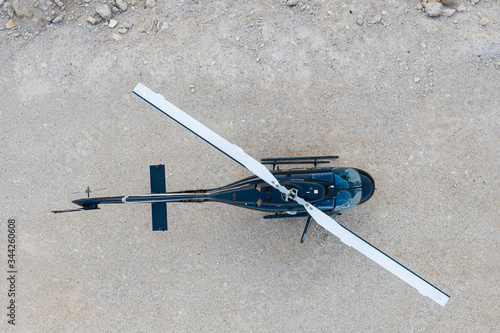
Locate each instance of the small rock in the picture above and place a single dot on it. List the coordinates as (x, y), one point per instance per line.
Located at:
(58, 19)
(94, 19)
(150, 3)
(347, 27)
(449, 12)
(191, 89)
(21, 9)
(117, 37)
(360, 21)
(483, 21)
(59, 3)
(416, 80)
(153, 25)
(112, 23)
(1, 2)
(474, 1)
(419, 6)
(10, 25)
(104, 11)
(115, 10)
(449, 3)
(422, 45)
(122, 30)
(128, 25)
(122, 5)
(292, 3)
(164, 26)
(376, 19)
(461, 8)
(433, 8)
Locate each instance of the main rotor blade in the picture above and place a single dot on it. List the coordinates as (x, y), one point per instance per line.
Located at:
(236, 153)
(231, 150)
(353, 240)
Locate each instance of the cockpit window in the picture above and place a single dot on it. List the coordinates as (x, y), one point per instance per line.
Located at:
(348, 185)
(346, 199)
(347, 178)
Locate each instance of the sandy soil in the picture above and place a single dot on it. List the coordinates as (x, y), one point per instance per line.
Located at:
(412, 99)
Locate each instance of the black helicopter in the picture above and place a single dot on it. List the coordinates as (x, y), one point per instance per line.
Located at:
(328, 189)
(319, 192)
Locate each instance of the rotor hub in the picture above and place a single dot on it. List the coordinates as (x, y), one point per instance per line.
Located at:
(290, 195)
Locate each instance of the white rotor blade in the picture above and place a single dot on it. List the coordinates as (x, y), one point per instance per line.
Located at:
(231, 150)
(351, 239)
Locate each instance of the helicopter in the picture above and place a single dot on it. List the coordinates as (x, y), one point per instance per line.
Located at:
(320, 193)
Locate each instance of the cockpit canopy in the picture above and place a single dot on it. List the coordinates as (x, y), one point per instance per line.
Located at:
(352, 187)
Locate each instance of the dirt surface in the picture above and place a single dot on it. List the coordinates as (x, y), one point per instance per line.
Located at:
(412, 99)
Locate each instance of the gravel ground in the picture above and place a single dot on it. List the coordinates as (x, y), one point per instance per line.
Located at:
(410, 98)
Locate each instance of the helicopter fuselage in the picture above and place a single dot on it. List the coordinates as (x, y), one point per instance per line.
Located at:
(328, 189)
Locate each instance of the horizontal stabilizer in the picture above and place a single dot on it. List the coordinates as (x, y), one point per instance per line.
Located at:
(159, 209)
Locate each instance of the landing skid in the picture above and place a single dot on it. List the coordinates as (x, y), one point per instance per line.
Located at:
(308, 222)
(314, 160)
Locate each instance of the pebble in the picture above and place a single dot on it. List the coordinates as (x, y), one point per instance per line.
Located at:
(104, 11)
(117, 37)
(150, 3)
(292, 3)
(58, 19)
(112, 23)
(153, 25)
(1, 2)
(191, 89)
(474, 1)
(433, 8)
(449, 12)
(122, 5)
(376, 19)
(122, 30)
(461, 8)
(483, 21)
(128, 25)
(10, 25)
(59, 3)
(416, 80)
(449, 3)
(21, 9)
(360, 21)
(94, 19)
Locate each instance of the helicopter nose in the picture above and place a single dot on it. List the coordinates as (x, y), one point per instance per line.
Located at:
(368, 185)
